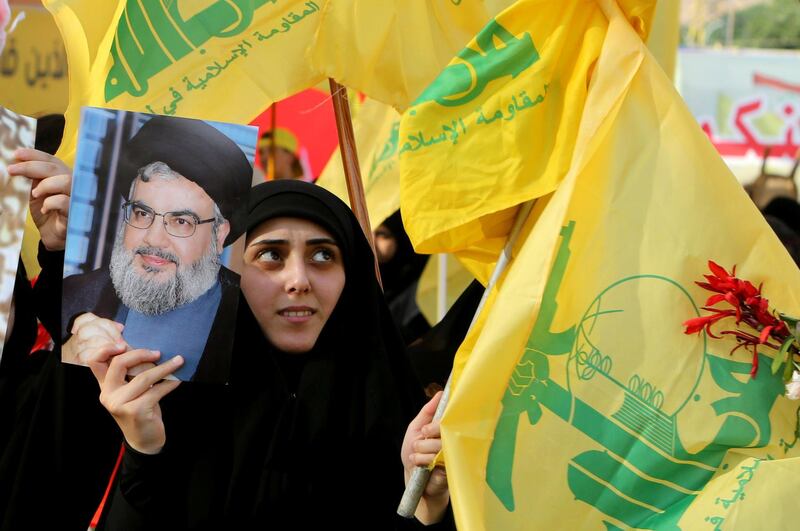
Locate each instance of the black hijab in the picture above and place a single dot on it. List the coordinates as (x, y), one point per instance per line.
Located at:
(301, 419)
(406, 266)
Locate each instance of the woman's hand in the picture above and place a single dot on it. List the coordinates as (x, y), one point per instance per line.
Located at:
(134, 404)
(420, 446)
(49, 201)
(93, 339)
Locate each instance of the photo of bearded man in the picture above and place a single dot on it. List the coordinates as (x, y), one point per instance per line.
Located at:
(184, 187)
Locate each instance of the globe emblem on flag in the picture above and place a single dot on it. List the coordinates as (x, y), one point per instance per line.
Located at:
(623, 361)
(658, 410)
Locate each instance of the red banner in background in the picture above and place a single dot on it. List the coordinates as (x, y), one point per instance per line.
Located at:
(309, 116)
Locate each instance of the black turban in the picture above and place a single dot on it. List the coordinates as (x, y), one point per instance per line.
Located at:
(200, 153)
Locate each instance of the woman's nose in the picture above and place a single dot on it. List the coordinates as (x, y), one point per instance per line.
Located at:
(297, 276)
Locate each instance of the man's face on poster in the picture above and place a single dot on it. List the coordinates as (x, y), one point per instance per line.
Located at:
(155, 269)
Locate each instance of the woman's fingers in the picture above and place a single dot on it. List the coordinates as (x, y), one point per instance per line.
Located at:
(144, 381)
(57, 203)
(38, 169)
(437, 484)
(53, 186)
(86, 327)
(23, 154)
(119, 366)
(427, 446)
(425, 416)
(432, 430)
(97, 359)
(422, 459)
(155, 393)
(139, 369)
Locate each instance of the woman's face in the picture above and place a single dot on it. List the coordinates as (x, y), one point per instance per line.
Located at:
(292, 277)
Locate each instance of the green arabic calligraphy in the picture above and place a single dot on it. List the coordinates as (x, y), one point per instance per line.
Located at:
(640, 474)
(454, 129)
(218, 66)
(463, 81)
(716, 521)
(744, 477)
(152, 35)
(388, 152)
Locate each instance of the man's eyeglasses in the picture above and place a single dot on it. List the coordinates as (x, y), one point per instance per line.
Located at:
(179, 224)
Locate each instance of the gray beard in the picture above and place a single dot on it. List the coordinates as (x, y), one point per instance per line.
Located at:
(143, 293)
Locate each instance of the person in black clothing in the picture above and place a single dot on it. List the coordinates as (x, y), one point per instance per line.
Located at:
(432, 355)
(310, 427)
(400, 269)
(58, 445)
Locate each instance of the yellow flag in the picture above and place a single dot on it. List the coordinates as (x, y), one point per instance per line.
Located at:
(497, 127)
(392, 50)
(375, 128)
(216, 60)
(582, 404)
(665, 37)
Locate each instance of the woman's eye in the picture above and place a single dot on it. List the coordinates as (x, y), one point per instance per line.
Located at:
(269, 256)
(322, 255)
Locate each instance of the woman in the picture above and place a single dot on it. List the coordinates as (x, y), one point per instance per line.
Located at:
(401, 269)
(310, 428)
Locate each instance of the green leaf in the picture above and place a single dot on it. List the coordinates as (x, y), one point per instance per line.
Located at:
(781, 356)
(789, 320)
(787, 372)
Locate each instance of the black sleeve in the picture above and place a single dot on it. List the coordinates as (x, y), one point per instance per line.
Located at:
(140, 500)
(448, 523)
(47, 290)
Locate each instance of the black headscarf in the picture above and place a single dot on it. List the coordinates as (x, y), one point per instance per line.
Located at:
(349, 399)
(406, 266)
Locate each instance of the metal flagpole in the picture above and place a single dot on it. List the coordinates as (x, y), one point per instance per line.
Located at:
(419, 478)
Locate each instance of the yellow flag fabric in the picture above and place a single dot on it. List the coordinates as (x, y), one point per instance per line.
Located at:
(580, 402)
(497, 127)
(215, 60)
(392, 50)
(375, 127)
(665, 37)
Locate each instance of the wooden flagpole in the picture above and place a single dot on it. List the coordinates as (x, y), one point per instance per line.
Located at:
(272, 139)
(352, 172)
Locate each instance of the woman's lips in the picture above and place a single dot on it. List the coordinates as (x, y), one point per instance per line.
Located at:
(297, 314)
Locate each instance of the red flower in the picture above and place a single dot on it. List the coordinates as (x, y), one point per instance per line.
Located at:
(704, 322)
(747, 306)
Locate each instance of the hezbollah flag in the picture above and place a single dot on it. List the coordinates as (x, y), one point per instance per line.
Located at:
(582, 404)
(201, 59)
(392, 50)
(497, 127)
